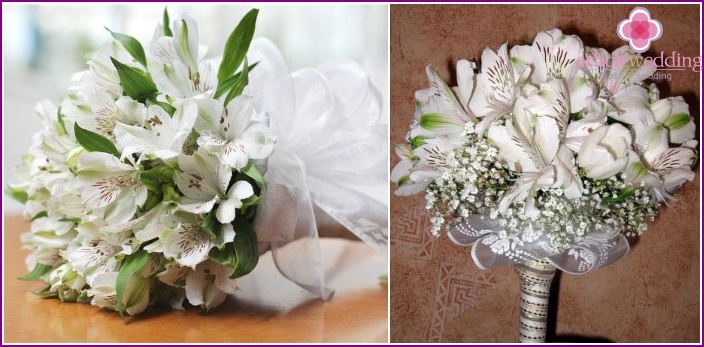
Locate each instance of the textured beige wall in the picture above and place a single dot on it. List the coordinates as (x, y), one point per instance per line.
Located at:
(438, 295)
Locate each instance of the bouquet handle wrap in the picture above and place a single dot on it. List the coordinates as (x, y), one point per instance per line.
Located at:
(325, 161)
(535, 278)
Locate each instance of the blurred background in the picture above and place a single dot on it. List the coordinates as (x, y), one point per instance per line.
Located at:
(43, 45)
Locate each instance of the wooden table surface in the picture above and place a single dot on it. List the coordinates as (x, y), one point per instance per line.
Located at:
(268, 308)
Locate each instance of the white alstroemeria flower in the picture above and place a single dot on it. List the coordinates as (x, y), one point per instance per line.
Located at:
(554, 57)
(657, 165)
(48, 236)
(102, 74)
(204, 182)
(498, 85)
(181, 237)
(433, 159)
(164, 135)
(230, 134)
(438, 111)
(627, 68)
(578, 130)
(175, 66)
(53, 154)
(401, 172)
(92, 258)
(65, 275)
(440, 117)
(605, 151)
(530, 145)
(673, 114)
(111, 188)
(135, 297)
(97, 111)
(617, 78)
(630, 105)
(465, 84)
(208, 285)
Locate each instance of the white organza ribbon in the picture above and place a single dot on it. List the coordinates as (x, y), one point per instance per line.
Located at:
(493, 246)
(331, 151)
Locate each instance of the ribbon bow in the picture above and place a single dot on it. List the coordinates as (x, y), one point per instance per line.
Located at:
(331, 152)
(493, 246)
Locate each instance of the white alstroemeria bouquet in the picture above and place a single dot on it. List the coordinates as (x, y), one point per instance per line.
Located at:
(146, 185)
(551, 151)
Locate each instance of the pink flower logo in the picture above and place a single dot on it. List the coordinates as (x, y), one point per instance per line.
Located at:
(639, 30)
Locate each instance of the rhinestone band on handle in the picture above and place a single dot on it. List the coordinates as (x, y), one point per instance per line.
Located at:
(535, 277)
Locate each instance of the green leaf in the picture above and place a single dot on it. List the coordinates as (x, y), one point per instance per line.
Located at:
(39, 215)
(130, 266)
(167, 107)
(228, 83)
(167, 23)
(135, 83)
(239, 85)
(237, 45)
(250, 202)
(132, 46)
(39, 271)
(94, 142)
(18, 194)
(251, 171)
(224, 256)
(46, 293)
(246, 248)
(247, 209)
(677, 121)
(210, 225)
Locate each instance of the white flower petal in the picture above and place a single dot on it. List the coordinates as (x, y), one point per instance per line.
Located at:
(226, 211)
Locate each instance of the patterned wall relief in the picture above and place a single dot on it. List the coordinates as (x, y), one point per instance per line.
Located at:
(411, 232)
(458, 290)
